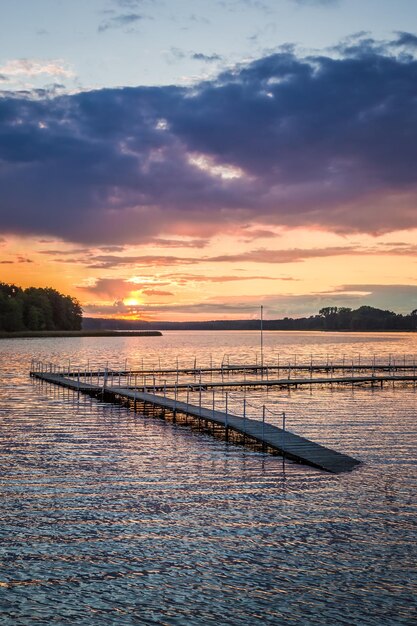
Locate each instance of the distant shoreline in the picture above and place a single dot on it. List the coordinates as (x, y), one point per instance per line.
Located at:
(27, 334)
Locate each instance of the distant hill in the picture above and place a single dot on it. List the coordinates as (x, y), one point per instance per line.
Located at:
(365, 318)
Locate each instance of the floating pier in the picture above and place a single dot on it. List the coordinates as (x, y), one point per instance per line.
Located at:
(254, 432)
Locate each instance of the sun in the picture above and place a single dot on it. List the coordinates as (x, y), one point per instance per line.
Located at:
(131, 301)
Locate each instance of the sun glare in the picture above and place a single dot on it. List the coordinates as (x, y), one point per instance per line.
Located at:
(131, 301)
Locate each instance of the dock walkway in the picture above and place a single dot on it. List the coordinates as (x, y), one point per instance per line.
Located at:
(272, 438)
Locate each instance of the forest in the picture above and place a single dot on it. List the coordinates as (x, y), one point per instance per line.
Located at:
(365, 318)
(37, 309)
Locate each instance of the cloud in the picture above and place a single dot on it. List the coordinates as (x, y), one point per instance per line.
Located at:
(316, 2)
(275, 306)
(120, 21)
(109, 287)
(282, 141)
(259, 255)
(208, 58)
(35, 67)
(111, 261)
(157, 292)
(119, 288)
(407, 40)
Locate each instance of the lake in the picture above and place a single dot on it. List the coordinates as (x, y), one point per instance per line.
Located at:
(112, 518)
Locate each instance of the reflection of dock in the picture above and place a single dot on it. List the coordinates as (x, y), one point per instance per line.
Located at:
(255, 432)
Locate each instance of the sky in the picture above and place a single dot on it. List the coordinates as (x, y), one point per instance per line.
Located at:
(187, 160)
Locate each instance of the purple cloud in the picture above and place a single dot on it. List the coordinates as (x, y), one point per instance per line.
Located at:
(284, 140)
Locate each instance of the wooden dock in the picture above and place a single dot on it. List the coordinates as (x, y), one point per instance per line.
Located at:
(279, 382)
(258, 369)
(246, 430)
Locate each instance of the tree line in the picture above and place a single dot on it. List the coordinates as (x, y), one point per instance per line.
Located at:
(365, 318)
(37, 308)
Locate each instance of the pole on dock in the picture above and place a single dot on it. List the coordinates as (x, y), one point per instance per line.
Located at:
(106, 373)
(262, 340)
(263, 428)
(244, 418)
(226, 420)
(283, 437)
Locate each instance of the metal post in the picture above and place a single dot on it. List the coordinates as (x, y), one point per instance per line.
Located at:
(106, 373)
(263, 426)
(226, 420)
(213, 405)
(283, 436)
(262, 340)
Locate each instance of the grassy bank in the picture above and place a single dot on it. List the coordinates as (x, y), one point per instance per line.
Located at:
(79, 333)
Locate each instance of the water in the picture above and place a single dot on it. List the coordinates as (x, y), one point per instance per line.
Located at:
(111, 518)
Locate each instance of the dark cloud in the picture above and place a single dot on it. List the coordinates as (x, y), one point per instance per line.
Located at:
(149, 260)
(315, 2)
(199, 56)
(283, 140)
(178, 243)
(120, 21)
(407, 40)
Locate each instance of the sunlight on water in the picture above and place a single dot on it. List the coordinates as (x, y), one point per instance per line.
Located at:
(109, 517)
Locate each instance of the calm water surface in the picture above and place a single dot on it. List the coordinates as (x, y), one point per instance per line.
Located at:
(111, 518)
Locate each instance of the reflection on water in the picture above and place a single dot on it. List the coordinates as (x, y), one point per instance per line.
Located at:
(111, 518)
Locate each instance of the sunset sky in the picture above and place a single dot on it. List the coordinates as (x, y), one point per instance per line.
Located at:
(187, 159)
